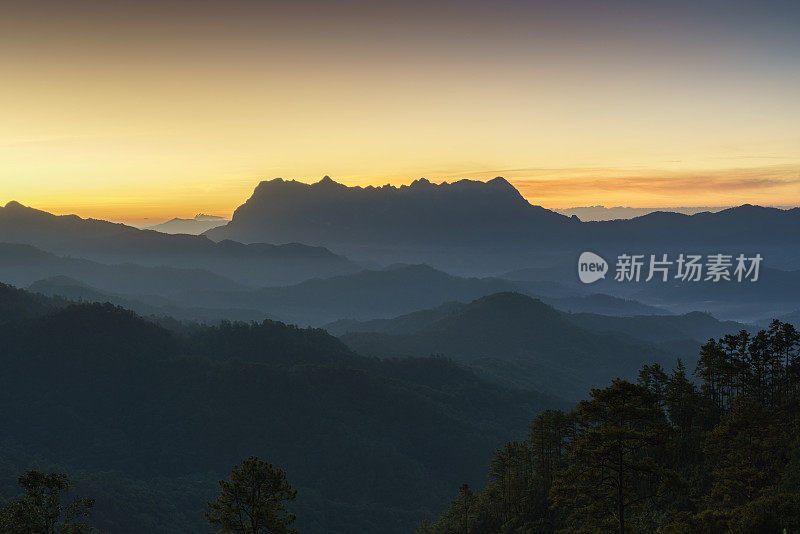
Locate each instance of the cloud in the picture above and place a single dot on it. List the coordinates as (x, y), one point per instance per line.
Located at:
(570, 187)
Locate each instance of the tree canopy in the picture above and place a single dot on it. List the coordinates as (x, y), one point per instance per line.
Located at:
(717, 452)
(44, 508)
(253, 500)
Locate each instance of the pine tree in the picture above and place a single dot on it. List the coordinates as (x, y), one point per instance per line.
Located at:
(749, 447)
(610, 466)
(41, 510)
(252, 501)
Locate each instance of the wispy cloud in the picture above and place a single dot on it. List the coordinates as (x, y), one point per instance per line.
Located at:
(778, 184)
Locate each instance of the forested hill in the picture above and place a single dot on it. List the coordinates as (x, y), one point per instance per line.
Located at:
(514, 339)
(16, 304)
(665, 453)
(148, 419)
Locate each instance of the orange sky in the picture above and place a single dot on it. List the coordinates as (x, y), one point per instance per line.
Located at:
(129, 111)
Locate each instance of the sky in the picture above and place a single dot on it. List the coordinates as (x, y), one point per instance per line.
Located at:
(148, 110)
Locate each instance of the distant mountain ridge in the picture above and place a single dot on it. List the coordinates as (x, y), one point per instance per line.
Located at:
(24, 264)
(474, 227)
(366, 294)
(696, 326)
(155, 306)
(376, 293)
(253, 264)
(194, 226)
(515, 338)
(602, 213)
(448, 213)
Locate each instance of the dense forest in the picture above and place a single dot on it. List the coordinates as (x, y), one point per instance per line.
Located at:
(710, 453)
(146, 419)
(146, 415)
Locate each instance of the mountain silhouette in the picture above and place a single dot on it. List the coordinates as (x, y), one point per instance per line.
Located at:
(602, 304)
(517, 340)
(197, 225)
(21, 265)
(157, 307)
(379, 293)
(458, 213)
(669, 332)
(367, 294)
(17, 304)
(483, 227)
(255, 264)
(418, 223)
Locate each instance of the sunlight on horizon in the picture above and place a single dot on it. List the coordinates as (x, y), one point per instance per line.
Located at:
(155, 111)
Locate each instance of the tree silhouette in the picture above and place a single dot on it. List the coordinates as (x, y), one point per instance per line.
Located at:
(41, 510)
(611, 466)
(664, 455)
(252, 501)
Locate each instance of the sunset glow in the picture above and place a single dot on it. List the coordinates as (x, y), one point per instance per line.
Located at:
(133, 111)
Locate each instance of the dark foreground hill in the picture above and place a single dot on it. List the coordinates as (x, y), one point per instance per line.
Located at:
(147, 420)
(711, 453)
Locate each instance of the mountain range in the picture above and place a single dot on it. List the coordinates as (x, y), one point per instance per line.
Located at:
(156, 307)
(24, 264)
(516, 340)
(383, 293)
(254, 264)
(196, 225)
(467, 228)
(198, 294)
(473, 227)
(774, 294)
(602, 213)
(437, 360)
(463, 213)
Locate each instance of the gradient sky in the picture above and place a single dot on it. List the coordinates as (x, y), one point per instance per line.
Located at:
(133, 110)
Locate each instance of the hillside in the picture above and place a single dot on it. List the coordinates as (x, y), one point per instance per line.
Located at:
(22, 265)
(17, 304)
(696, 326)
(367, 294)
(676, 335)
(156, 307)
(253, 264)
(517, 340)
(168, 414)
(382, 293)
(601, 304)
